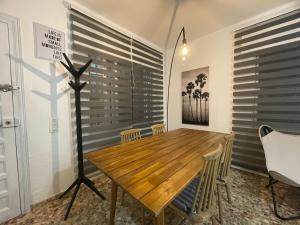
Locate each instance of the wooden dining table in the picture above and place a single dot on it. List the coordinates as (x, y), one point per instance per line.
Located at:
(155, 169)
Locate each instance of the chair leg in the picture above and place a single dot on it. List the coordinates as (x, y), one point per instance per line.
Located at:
(228, 190)
(275, 205)
(220, 204)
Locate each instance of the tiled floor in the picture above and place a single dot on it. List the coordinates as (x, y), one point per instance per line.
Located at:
(251, 205)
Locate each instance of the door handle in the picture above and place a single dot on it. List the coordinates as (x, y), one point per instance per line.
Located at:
(8, 87)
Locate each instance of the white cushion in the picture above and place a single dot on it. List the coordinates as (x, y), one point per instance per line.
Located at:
(282, 153)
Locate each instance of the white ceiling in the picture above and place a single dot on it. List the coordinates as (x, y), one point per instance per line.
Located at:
(152, 19)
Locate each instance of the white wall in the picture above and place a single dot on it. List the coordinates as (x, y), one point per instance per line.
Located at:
(50, 155)
(216, 51)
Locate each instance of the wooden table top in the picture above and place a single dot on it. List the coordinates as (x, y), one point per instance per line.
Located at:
(157, 168)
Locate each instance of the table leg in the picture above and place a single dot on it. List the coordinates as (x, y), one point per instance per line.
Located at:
(160, 219)
(113, 202)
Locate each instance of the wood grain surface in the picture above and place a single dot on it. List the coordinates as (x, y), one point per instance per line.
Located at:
(155, 169)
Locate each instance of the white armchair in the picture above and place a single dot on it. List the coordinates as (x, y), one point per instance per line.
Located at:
(282, 152)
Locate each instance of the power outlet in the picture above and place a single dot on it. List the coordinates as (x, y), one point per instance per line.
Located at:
(53, 125)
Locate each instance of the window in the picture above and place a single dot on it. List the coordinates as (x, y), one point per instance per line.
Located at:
(266, 85)
(124, 82)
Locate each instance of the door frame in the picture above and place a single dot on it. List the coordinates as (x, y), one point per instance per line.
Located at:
(20, 131)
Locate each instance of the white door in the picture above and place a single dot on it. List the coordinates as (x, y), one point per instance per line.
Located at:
(10, 205)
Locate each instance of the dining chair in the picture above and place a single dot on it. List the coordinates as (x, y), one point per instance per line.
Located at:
(128, 136)
(224, 172)
(158, 129)
(282, 162)
(196, 202)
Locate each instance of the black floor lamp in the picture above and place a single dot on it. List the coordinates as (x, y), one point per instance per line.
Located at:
(184, 51)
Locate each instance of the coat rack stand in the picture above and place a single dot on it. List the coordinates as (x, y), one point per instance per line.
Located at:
(77, 87)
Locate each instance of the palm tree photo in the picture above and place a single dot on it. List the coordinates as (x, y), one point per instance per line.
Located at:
(195, 97)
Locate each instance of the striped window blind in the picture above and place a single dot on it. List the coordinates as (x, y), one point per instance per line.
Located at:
(266, 85)
(124, 82)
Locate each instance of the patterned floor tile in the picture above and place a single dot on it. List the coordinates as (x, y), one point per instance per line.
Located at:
(251, 206)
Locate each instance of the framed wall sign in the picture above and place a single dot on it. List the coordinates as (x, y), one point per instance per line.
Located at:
(49, 43)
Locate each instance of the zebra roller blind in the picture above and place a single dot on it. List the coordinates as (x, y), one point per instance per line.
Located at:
(266, 85)
(124, 82)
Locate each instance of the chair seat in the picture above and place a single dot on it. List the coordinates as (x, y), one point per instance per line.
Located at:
(184, 201)
(282, 156)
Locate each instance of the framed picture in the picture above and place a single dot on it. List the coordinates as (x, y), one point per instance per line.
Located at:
(195, 96)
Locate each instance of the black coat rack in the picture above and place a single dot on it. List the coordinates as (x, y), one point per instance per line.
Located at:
(77, 87)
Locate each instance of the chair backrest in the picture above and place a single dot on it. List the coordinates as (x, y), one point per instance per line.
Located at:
(130, 135)
(204, 198)
(226, 156)
(158, 129)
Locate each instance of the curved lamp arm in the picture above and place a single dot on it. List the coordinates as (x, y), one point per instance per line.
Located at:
(170, 73)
